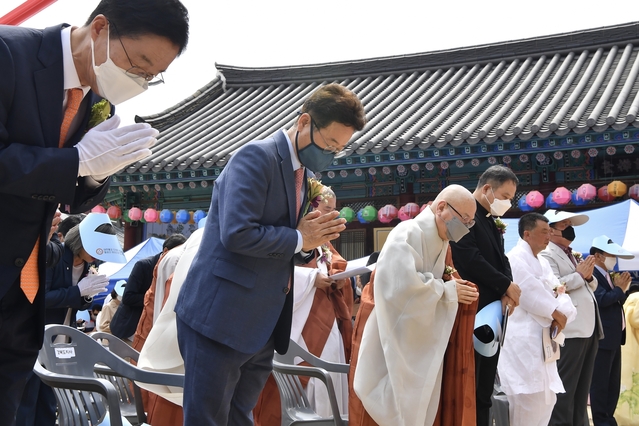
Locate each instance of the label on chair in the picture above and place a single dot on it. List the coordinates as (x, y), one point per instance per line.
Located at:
(64, 353)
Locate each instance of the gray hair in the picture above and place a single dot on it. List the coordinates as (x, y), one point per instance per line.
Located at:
(74, 241)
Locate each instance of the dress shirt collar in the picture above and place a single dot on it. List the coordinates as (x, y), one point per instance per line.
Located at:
(71, 78)
(482, 212)
(294, 161)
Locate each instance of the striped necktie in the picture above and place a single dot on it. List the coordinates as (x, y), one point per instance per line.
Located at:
(29, 277)
(299, 182)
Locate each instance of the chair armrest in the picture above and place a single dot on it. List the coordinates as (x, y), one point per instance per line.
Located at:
(116, 345)
(101, 386)
(143, 376)
(319, 373)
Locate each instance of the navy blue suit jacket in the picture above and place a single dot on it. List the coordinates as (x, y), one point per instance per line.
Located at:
(36, 176)
(610, 301)
(236, 291)
(60, 293)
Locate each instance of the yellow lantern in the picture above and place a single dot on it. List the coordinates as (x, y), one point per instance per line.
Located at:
(617, 188)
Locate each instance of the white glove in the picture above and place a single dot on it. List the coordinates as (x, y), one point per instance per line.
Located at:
(92, 284)
(106, 149)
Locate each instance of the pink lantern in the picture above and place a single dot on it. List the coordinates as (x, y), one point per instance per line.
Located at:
(387, 213)
(98, 209)
(535, 199)
(587, 192)
(412, 209)
(114, 212)
(135, 214)
(603, 195)
(633, 192)
(151, 215)
(561, 196)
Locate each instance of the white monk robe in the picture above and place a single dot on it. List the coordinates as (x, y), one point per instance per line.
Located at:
(399, 367)
(521, 367)
(333, 350)
(160, 351)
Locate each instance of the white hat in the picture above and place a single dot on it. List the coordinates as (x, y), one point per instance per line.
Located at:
(605, 244)
(555, 216)
(105, 247)
(119, 287)
(488, 329)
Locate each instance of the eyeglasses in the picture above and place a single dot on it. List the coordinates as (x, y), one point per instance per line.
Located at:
(136, 71)
(468, 224)
(328, 149)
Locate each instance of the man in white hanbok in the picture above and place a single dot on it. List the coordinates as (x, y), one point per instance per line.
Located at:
(398, 373)
(528, 374)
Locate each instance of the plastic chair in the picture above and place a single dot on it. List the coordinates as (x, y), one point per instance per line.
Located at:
(131, 405)
(70, 369)
(296, 409)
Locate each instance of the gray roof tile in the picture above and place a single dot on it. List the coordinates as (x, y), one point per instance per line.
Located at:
(575, 82)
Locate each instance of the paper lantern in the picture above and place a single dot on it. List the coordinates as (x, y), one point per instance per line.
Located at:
(347, 213)
(577, 201)
(198, 216)
(535, 199)
(617, 188)
(135, 214)
(182, 216)
(387, 213)
(603, 195)
(114, 212)
(369, 213)
(98, 209)
(561, 196)
(633, 192)
(408, 211)
(523, 205)
(587, 192)
(166, 216)
(150, 215)
(550, 204)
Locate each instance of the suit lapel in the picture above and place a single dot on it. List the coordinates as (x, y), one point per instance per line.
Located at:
(562, 255)
(288, 175)
(49, 83)
(495, 239)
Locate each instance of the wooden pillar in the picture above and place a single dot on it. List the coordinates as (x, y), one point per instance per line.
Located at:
(132, 235)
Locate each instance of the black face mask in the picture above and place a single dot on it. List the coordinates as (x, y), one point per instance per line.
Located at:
(569, 233)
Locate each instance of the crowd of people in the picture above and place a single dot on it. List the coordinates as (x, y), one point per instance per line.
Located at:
(260, 272)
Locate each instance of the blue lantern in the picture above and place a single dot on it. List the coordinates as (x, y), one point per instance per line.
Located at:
(577, 200)
(523, 205)
(182, 216)
(166, 216)
(550, 204)
(198, 215)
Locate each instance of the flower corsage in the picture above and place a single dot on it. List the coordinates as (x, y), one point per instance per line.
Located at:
(325, 254)
(448, 273)
(100, 111)
(501, 225)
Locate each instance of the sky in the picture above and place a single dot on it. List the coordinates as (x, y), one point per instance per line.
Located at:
(285, 32)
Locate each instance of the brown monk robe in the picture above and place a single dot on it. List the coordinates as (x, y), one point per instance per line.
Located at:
(160, 412)
(329, 305)
(457, 399)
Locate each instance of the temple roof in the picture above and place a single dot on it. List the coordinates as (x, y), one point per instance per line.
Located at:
(584, 81)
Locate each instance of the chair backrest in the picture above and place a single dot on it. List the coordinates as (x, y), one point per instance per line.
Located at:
(82, 353)
(296, 408)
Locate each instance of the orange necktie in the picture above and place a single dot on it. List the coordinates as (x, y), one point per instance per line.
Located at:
(29, 279)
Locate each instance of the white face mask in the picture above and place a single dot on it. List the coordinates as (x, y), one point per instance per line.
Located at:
(113, 83)
(498, 207)
(610, 263)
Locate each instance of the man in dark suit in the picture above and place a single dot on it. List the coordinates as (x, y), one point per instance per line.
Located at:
(235, 306)
(51, 79)
(610, 295)
(479, 257)
(127, 317)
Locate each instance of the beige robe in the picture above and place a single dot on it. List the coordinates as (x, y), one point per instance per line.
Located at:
(399, 367)
(161, 351)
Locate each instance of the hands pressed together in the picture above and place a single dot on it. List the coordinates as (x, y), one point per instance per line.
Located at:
(318, 229)
(107, 148)
(586, 267)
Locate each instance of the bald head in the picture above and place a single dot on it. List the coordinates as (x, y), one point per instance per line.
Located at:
(454, 200)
